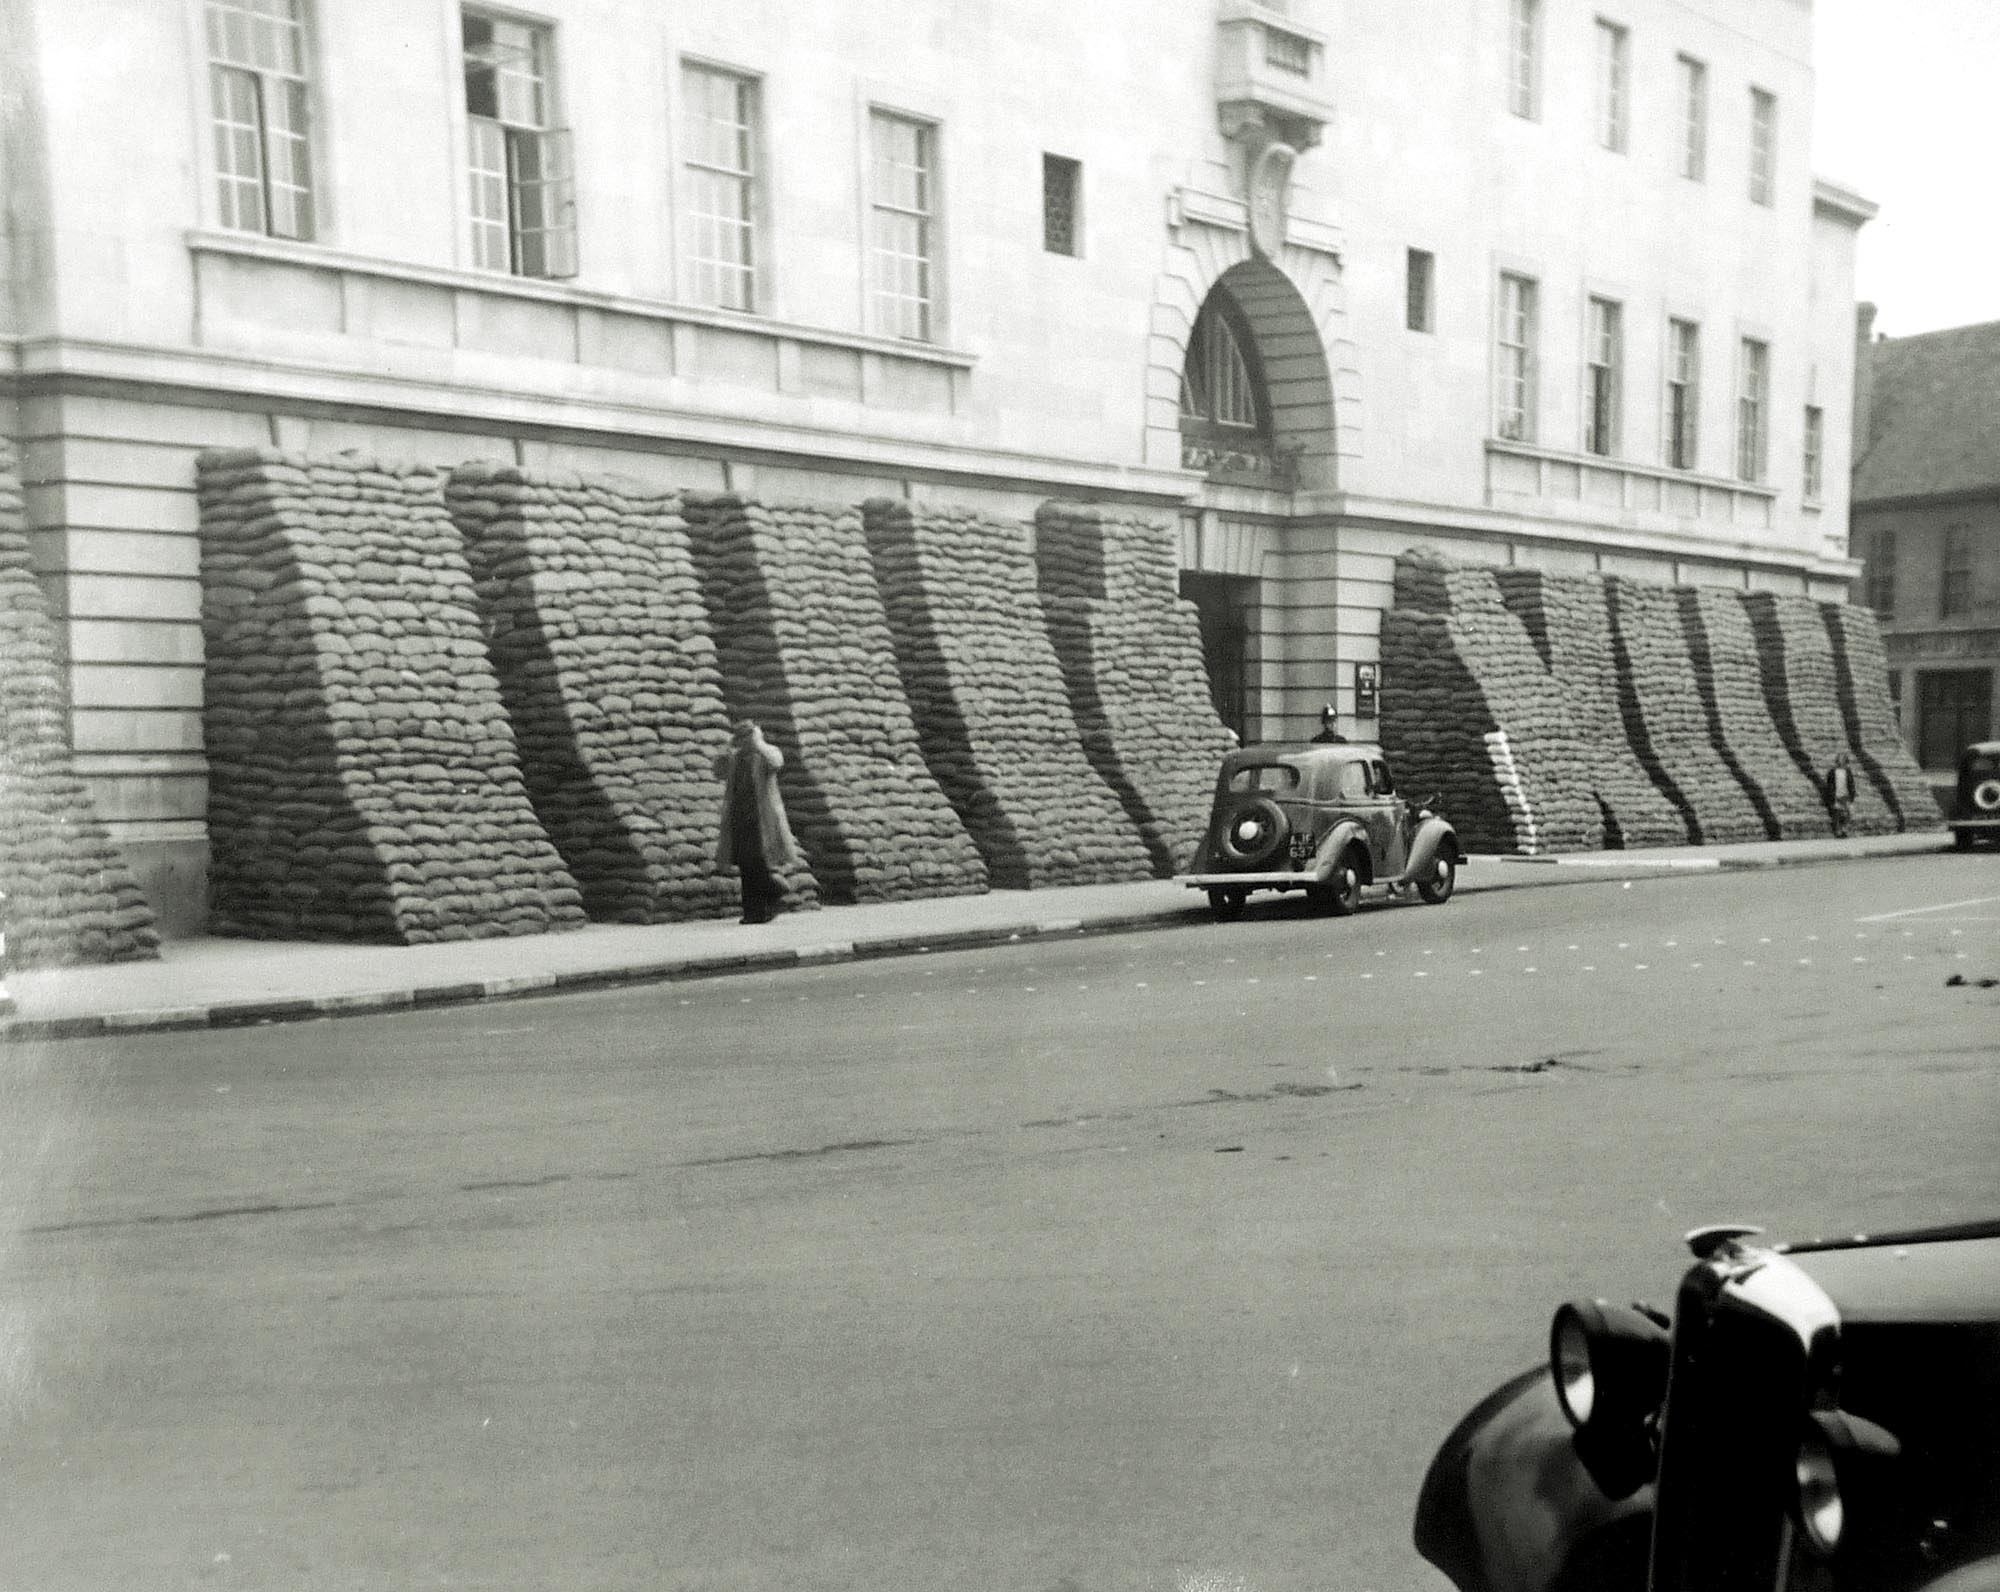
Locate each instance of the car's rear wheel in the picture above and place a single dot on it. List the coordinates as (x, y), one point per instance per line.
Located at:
(1962, 839)
(1343, 888)
(1227, 904)
(1443, 879)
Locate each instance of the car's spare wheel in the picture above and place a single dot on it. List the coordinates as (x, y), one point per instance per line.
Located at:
(1252, 833)
(1986, 795)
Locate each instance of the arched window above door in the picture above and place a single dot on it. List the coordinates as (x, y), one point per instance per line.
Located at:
(1221, 384)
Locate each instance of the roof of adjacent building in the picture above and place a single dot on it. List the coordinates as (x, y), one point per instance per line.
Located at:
(1934, 415)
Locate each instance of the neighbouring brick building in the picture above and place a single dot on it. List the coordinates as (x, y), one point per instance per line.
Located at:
(1927, 527)
(1549, 284)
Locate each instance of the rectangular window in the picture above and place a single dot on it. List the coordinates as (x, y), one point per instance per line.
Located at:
(903, 218)
(1683, 393)
(1954, 709)
(1524, 84)
(1815, 443)
(1419, 270)
(1896, 695)
(1879, 575)
(1062, 187)
(1694, 118)
(1603, 376)
(1612, 87)
(523, 190)
(1514, 363)
(719, 177)
(257, 89)
(1287, 52)
(1763, 145)
(1753, 387)
(1955, 573)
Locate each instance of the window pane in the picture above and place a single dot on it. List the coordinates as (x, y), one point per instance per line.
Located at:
(1750, 410)
(1611, 85)
(1514, 362)
(1060, 181)
(1763, 144)
(1418, 268)
(486, 142)
(239, 145)
(901, 231)
(1694, 118)
(719, 123)
(1525, 44)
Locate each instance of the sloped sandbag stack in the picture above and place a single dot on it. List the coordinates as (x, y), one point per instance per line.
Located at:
(605, 661)
(1802, 684)
(1487, 641)
(1723, 647)
(1569, 618)
(363, 778)
(1435, 726)
(70, 896)
(1130, 651)
(1657, 674)
(987, 695)
(806, 652)
(1880, 753)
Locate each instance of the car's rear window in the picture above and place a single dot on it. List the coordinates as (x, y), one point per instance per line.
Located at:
(1981, 767)
(1265, 776)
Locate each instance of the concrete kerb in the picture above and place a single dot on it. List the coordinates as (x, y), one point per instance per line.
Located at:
(1597, 868)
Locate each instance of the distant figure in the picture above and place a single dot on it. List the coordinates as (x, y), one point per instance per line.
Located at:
(1329, 728)
(1840, 793)
(754, 838)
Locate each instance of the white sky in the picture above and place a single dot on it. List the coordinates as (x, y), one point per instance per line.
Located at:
(1908, 115)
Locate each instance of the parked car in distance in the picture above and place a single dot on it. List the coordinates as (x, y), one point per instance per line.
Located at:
(1325, 819)
(1975, 800)
(1813, 1417)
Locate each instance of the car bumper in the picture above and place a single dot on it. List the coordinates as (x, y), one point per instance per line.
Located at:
(1253, 881)
(1992, 822)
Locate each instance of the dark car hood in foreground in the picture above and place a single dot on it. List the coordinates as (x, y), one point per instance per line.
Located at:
(1941, 1275)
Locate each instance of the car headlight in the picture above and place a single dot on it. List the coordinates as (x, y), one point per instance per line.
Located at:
(1569, 1358)
(1842, 1469)
(1609, 1362)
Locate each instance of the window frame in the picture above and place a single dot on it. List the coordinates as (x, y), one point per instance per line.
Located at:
(1522, 380)
(926, 216)
(704, 273)
(1614, 85)
(1682, 419)
(1419, 290)
(1603, 374)
(1220, 327)
(520, 173)
(1763, 175)
(1947, 716)
(1878, 574)
(1812, 448)
(267, 81)
(1753, 409)
(1955, 571)
(1524, 59)
(1693, 78)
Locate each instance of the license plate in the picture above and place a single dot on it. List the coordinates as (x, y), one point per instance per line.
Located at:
(1302, 848)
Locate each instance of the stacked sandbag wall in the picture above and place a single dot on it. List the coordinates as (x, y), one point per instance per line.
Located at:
(605, 660)
(987, 694)
(363, 777)
(806, 652)
(70, 897)
(1802, 684)
(1880, 753)
(1569, 619)
(1130, 651)
(1666, 718)
(1730, 673)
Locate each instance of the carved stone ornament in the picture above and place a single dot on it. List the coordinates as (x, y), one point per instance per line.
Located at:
(1267, 184)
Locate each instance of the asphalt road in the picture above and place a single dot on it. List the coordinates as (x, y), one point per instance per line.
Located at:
(1149, 1262)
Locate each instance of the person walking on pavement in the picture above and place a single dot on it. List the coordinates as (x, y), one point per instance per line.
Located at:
(754, 837)
(1329, 728)
(1840, 793)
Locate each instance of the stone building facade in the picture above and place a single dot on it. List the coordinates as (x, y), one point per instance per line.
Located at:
(1550, 284)
(1927, 528)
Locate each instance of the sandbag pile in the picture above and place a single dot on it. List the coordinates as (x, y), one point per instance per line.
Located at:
(806, 652)
(1730, 674)
(992, 714)
(1130, 651)
(1880, 753)
(1486, 641)
(606, 663)
(1802, 684)
(1569, 618)
(363, 778)
(1675, 741)
(70, 896)
(1441, 736)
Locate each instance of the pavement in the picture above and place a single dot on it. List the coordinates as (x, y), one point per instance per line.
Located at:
(210, 982)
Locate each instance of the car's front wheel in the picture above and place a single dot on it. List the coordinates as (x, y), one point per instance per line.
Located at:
(1227, 904)
(1443, 879)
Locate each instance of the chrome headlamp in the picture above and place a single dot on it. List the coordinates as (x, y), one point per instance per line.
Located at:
(1609, 1363)
(1841, 1468)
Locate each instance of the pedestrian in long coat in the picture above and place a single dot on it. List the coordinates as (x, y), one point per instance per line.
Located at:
(1840, 792)
(752, 836)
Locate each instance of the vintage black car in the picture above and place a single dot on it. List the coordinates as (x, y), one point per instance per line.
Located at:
(1813, 1417)
(1325, 819)
(1975, 801)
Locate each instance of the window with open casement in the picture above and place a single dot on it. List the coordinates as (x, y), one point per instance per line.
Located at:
(523, 186)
